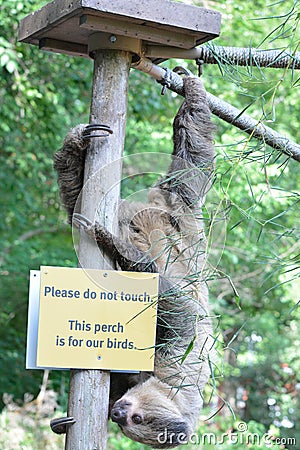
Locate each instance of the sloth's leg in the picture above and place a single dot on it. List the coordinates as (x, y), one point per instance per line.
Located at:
(127, 255)
(69, 164)
(192, 165)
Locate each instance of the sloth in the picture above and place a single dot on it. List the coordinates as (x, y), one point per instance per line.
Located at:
(164, 235)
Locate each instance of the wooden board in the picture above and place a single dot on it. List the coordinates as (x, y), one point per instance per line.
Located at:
(68, 24)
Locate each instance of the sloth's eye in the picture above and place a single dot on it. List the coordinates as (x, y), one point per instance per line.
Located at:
(136, 419)
(134, 228)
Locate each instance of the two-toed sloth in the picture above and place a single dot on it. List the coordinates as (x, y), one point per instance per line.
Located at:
(164, 235)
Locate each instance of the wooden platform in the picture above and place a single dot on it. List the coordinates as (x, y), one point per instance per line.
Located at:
(67, 25)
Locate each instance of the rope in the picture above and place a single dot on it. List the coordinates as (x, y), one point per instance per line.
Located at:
(277, 59)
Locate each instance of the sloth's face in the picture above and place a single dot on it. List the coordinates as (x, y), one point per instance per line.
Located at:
(150, 417)
(152, 227)
(152, 230)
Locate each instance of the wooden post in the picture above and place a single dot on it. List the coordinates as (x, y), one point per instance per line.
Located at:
(89, 389)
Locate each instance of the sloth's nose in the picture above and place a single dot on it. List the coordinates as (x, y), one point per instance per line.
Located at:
(119, 415)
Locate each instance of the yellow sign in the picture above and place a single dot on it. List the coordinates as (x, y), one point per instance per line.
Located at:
(97, 319)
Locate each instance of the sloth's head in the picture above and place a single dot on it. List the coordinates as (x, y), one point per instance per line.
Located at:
(147, 414)
(152, 229)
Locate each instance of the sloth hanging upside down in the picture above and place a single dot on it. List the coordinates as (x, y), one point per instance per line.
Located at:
(164, 235)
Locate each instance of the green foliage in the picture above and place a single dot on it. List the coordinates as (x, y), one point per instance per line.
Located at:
(34, 94)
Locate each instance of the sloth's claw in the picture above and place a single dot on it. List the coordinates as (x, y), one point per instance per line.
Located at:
(59, 426)
(183, 71)
(81, 221)
(90, 131)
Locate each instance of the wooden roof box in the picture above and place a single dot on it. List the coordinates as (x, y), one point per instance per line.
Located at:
(65, 26)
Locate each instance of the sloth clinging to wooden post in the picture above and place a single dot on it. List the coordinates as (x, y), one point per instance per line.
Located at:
(165, 235)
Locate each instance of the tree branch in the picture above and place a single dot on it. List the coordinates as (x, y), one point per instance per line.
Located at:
(224, 111)
(233, 56)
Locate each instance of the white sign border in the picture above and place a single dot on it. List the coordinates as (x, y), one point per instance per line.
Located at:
(33, 326)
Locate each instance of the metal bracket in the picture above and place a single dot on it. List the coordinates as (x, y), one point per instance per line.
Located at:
(108, 41)
(163, 52)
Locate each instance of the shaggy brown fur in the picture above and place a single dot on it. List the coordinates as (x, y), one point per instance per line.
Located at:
(166, 235)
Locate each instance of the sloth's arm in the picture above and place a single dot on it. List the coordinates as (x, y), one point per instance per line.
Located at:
(127, 255)
(191, 171)
(69, 164)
